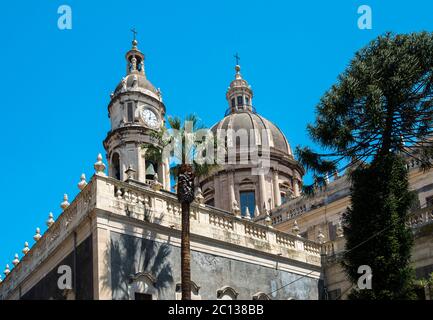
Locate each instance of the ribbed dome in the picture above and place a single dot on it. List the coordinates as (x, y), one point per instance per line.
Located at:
(136, 82)
(249, 120)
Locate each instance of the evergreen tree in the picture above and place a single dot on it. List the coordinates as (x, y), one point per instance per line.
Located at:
(378, 112)
(380, 202)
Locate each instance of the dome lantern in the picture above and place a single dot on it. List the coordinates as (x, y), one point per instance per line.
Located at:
(239, 94)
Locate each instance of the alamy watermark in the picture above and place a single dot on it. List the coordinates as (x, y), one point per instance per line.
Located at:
(365, 280)
(64, 282)
(64, 21)
(365, 20)
(241, 147)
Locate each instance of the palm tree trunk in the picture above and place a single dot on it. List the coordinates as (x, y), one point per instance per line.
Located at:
(185, 195)
(185, 253)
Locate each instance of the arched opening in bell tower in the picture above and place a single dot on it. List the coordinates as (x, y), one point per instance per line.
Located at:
(115, 165)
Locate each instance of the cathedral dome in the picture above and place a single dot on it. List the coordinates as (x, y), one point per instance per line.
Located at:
(248, 121)
(135, 79)
(138, 82)
(258, 171)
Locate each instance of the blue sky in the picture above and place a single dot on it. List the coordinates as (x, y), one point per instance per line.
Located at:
(55, 84)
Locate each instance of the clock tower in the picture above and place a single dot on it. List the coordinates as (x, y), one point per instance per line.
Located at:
(135, 110)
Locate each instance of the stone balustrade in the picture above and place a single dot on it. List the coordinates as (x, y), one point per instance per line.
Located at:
(145, 204)
(162, 207)
(63, 227)
(417, 219)
(421, 217)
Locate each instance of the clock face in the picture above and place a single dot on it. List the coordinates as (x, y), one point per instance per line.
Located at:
(150, 118)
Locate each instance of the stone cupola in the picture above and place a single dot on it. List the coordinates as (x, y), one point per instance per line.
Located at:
(241, 184)
(136, 110)
(239, 94)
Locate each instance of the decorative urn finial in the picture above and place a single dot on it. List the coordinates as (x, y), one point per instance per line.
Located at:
(37, 235)
(16, 260)
(130, 173)
(99, 166)
(295, 228)
(321, 237)
(82, 184)
(268, 219)
(340, 230)
(26, 248)
(50, 220)
(7, 270)
(65, 202)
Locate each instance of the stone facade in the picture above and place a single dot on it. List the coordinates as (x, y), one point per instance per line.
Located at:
(121, 234)
(133, 223)
(318, 219)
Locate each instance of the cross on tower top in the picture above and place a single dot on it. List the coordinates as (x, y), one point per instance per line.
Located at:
(134, 31)
(237, 58)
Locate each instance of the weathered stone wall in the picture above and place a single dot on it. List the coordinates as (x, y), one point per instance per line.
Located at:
(131, 255)
(47, 288)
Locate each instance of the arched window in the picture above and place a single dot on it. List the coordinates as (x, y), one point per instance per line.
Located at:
(240, 101)
(261, 296)
(248, 200)
(142, 287)
(227, 293)
(194, 291)
(115, 165)
(130, 111)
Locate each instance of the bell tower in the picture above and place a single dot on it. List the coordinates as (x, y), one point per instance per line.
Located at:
(135, 110)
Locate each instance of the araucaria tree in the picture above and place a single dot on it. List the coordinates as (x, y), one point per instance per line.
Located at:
(378, 115)
(193, 150)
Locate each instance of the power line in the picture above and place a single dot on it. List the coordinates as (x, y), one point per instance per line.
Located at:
(345, 251)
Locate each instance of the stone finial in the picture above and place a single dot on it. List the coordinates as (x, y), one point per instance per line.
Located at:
(50, 220)
(268, 220)
(65, 202)
(16, 260)
(199, 196)
(247, 214)
(26, 248)
(235, 208)
(295, 228)
(130, 173)
(119, 194)
(256, 211)
(7, 270)
(340, 231)
(82, 184)
(99, 166)
(321, 237)
(37, 235)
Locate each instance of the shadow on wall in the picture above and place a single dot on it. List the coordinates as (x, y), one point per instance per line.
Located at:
(129, 256)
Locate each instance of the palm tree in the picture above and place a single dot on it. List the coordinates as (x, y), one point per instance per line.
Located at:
(188, 145)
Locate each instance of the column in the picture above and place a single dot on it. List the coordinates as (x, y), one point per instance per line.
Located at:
(167, 182)
(277, 193)
(262, 188)
(232, 197)
(102, 289)
(296, 187)
(141, 169)
(217, 194)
